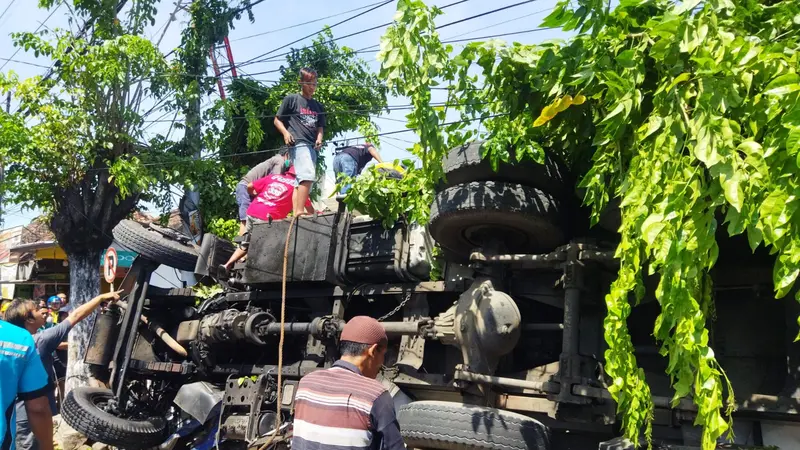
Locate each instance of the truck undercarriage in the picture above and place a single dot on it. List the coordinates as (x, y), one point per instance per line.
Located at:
(506, 351)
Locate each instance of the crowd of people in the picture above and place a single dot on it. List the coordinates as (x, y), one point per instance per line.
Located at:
(33, 361)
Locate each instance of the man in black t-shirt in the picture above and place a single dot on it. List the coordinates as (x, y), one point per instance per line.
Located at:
(351, 161)
(301, 121)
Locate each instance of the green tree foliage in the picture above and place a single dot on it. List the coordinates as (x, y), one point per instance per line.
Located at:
(78, 134)
(685, 112)
(75, 147)
(348, 90)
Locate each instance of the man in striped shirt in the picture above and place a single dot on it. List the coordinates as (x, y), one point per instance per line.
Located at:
(344, 407)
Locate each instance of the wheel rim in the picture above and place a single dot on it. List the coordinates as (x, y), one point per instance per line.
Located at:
(105, 403)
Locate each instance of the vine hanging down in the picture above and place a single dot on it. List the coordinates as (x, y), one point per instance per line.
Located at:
(683, 112)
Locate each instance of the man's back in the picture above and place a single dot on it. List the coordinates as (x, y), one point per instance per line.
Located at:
(22, 374)
(273, 197)
(337, 407)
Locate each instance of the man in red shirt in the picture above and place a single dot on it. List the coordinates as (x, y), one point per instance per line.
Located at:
(273, 201)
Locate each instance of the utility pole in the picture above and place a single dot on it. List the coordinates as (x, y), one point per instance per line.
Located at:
(189, 206)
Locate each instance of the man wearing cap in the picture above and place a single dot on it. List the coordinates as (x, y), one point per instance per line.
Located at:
(345, 406)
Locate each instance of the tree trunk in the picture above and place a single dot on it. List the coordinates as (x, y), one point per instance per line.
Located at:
(84, 279)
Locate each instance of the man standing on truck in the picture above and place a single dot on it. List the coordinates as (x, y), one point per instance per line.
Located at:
(272, 166)
(351, 160)
(273, 201)
(301, 121)
(344, 406)
(26, 314)
(23, 378)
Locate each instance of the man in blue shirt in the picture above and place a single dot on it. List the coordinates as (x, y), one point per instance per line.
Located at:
(23, 377)
(25, 313)
(350, 161)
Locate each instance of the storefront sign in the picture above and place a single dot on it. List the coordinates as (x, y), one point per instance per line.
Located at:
(124, 258)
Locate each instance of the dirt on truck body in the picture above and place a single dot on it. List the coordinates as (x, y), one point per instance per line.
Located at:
(506, 351)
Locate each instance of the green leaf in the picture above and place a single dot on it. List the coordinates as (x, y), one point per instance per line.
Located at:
(733, 191)
(626, 58)
(793, 140)
(652, 226)
(617, 110)
(679, 79)
(784, 84)
(751, 148)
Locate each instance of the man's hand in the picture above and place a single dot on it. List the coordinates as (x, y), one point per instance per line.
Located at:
(83, 311)
(318, 143)
(111, 296)
(288, 139)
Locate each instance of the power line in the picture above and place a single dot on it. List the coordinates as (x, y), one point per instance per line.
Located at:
(26, 63)
(257, 58)
(492, 36)
(368, 48)
(37, 29)
(218, 157)
(372, 48)
(500, 23)
(316, 33)
(484, 14)
(306, 23)
(7, 8)
(389, 108)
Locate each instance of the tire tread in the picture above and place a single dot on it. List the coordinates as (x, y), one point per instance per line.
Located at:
(532, 211)
(151, 245)
(446, 426)
(81, 414)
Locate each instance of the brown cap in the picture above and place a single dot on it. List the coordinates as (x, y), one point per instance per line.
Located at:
(363, 330)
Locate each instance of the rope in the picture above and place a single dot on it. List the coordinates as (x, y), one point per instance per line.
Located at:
(280, 341)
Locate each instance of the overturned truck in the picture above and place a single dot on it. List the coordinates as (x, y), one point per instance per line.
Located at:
(505, 351)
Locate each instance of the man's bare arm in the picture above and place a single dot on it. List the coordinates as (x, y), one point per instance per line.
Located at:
(251, 190)
(40, 419)
(320, 132)
(374, 152)
(87, 308)
(288, 139)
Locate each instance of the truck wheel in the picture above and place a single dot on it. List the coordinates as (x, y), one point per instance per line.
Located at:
(524, 219)
(158, 244)
(454, 426)
(464, 164)
(84, 411)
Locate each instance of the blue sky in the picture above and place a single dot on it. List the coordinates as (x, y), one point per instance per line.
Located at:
(23, 15)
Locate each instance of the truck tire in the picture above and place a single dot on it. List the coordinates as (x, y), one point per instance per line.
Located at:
(82, 411)
(455, 426)
(154, 246)
(464, 164)
(525, 219)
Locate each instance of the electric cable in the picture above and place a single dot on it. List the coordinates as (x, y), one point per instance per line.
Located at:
(36, 30)
(305, 23)
(7, 8)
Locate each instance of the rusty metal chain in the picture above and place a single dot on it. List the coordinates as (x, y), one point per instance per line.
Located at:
(409, 294)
